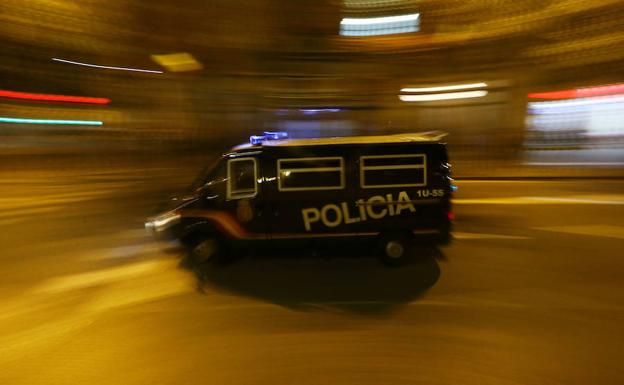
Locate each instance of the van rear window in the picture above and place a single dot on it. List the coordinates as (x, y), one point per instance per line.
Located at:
(298, 174)
(400, 170)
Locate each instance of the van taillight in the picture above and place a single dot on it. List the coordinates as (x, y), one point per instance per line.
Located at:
(451, 216)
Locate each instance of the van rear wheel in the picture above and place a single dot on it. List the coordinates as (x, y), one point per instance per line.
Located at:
(394, 250)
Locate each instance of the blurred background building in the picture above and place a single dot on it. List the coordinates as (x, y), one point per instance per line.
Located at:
(513, 82)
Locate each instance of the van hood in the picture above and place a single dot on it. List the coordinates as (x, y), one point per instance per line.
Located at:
(179, 201)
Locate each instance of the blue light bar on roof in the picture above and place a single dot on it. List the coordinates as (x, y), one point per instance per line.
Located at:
(268, 135)
(256, 139)
(276, 135)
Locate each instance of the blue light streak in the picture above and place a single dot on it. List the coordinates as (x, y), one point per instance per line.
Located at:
(51, 121)
(276, 135)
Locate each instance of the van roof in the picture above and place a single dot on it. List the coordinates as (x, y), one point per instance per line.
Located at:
(425, 137)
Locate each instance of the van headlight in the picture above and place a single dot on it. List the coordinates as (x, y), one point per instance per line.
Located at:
(162, 222)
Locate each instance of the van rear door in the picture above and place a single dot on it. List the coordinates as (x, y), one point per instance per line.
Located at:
(403, 188)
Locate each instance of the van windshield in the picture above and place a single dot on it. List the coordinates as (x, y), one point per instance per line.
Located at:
(207, 174)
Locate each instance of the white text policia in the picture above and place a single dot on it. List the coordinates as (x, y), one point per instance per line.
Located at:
(375, 207)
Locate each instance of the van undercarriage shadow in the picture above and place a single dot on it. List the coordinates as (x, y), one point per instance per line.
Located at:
(353, 282)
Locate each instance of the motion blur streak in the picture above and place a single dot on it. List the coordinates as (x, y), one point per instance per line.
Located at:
(379, 20)
(371, 26)
(106, 67)
(580, 92)
(178, 62)
(50, 121)
(447, 96)
(53, 98)
(445, 88)
(577, 102)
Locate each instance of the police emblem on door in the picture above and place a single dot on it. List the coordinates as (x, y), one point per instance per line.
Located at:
(244, 212)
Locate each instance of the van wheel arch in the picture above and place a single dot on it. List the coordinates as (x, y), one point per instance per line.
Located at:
(198, 230)
(204, 244)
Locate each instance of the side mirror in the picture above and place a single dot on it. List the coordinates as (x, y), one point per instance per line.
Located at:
(212, 191)
(182, 198)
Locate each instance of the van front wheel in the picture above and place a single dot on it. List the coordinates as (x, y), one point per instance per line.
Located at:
(395, 250)
(206, 250)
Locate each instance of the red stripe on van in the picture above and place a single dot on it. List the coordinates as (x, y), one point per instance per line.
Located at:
(224, 221)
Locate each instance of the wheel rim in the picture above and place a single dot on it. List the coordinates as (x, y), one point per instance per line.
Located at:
(205, 250)
(394, 249)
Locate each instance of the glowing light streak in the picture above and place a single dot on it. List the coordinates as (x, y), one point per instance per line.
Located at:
(311, 111)
(178, 62)
(576, 103)
(446, 96)
(379, 20)
(371, 26)
(106, 67)
(585, 92)
(445, 88)
(52, 98)
(50, 121)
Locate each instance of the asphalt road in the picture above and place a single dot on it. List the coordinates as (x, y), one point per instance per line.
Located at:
(530, 292)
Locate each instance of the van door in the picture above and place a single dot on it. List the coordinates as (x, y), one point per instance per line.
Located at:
(307, 194)
(244, 200)
(404, 188)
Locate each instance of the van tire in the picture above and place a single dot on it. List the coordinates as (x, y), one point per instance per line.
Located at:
(395, 250)
(206, 250)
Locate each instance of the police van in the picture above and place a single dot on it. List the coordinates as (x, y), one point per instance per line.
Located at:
(392, 190)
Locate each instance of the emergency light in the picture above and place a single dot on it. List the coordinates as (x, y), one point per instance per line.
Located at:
(256, 139)
(276, 135)
(268, 135)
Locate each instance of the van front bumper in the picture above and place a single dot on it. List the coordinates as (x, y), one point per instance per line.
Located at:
(164, 226)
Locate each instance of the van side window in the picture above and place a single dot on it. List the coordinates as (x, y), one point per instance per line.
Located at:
(400, 170)
(299, 174)
(242, 178)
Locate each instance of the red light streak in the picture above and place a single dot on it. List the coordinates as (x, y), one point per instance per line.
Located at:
(53, 98)
(587, 92)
